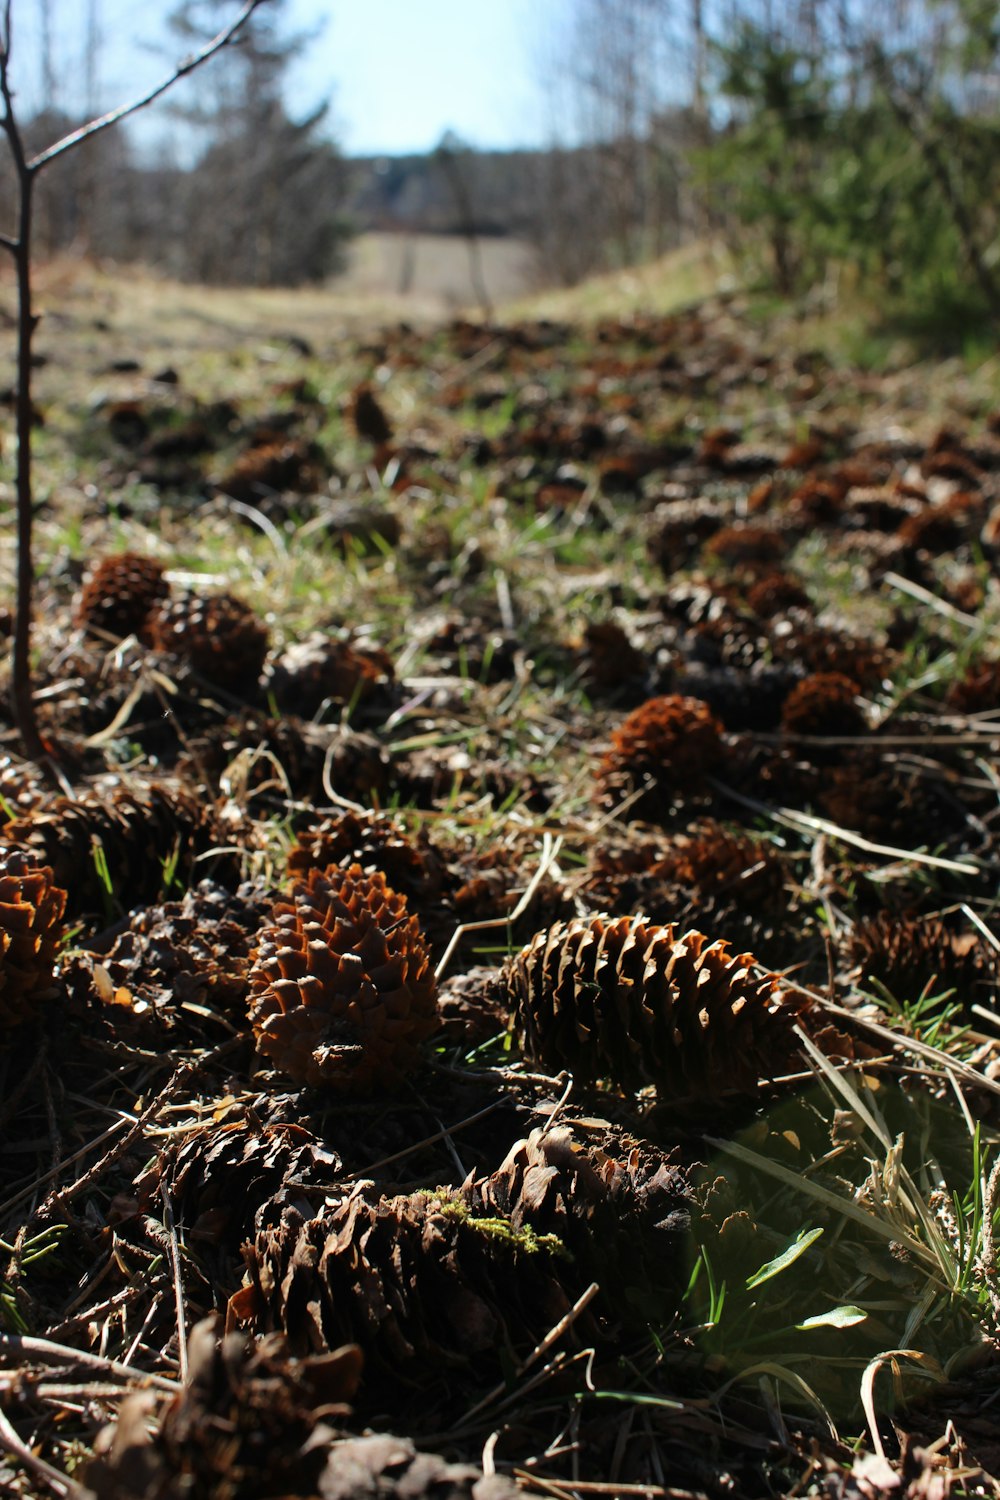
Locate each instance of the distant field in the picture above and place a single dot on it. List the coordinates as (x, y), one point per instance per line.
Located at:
(435, 270)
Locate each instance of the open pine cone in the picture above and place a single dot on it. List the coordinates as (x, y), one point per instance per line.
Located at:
(825, 703)
(663, 747)
(121, 593)
(341, 990)
(217, 634)
(31, 909)
(470, 1279)
(641, 1004)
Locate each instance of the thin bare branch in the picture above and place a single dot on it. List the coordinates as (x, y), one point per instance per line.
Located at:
(182, 69)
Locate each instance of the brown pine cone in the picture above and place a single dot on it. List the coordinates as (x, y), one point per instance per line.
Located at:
(31, 910)
(219, 635)
(139, 829)
(468, 1280)
(249, 1422)
(321, 668)
(341, 990)
(823, 704)
(370, 421)
(121, 593)
(662, 748)
(640, 1004)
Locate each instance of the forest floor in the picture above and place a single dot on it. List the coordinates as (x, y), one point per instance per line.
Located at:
(514, 940)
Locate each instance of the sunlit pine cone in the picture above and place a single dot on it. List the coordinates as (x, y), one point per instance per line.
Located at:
(640, 1004)
(217, 634)
(661, 749)
(31, 910)
(121, 593)
(824, 703)
(341, 990)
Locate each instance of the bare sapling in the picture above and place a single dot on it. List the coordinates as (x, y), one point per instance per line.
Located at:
(18, 243)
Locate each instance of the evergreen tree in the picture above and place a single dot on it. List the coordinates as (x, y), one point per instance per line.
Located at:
(261, 204)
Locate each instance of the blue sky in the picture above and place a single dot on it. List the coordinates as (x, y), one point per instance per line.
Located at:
(399, 72)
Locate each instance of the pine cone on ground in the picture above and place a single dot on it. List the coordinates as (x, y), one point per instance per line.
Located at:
(140, 828)
(640, 1004)
(219, 635)
(264, 468)
(31, 910)
(609, 662)
(907, 953)
(228, 1181)
(248, 1425)
(662, 748)
(184, 958)
(121, 593)
(978, 692)
(342, 991)
(321, 668)
(368, 417)
(372, 840)
(747, 546)
(775, 593)
(823, 704)
(469, 1279)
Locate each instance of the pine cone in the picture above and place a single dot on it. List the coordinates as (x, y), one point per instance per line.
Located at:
(663, 747)
(908, 953)
(342, 992)
(184, 958)
(714, 861)
(823, 704)
(372, 840)
(609, 662)
(217, 634)
(140, 830)
(641, 1004)
(322, 667)
(468, 1280)
(228, 1181)
(370, 421)
(978, 692)
(121, 593)
(264, 468)
(747, 546)
(679, 529)
(776, 593)
(248, 1423)
(31, 909)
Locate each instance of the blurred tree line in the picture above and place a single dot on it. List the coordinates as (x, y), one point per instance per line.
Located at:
(824, 140)
(821, 138)
(257, 198)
